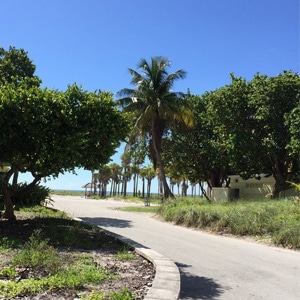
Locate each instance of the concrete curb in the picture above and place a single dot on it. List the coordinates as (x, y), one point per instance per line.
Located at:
(166, 283)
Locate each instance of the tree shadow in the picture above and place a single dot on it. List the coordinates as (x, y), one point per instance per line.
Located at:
(197, 287)
(117, 223)
(107, 222)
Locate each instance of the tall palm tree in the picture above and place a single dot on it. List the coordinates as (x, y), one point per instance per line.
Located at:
(155, 106)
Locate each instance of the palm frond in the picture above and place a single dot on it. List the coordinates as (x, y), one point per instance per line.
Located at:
(126, 92)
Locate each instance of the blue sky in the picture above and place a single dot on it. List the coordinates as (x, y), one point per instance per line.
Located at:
(94, 42)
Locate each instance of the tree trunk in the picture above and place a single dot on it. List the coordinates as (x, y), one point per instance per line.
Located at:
(143, 187)
(6, 194)
(149, 188)
(125, 183)
(15, 178)
(9, 208)
(157, 132)
(204, 192)
(280, 176)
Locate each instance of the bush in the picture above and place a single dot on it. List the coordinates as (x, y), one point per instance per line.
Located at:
(38, 195)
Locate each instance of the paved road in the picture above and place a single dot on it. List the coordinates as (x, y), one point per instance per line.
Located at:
(211, 267)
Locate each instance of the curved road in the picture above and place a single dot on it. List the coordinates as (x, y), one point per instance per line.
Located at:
(211, 267)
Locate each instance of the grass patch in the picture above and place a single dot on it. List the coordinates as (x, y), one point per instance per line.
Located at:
(151, 209)
(67, 193)
(125, 254)
(277, 219)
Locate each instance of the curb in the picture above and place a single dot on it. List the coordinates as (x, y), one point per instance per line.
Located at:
(166, 283)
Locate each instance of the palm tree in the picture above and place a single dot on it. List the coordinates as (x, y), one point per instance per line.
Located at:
(155, 106)
(115, 177)
(150, 174)
(126, 172)
(104, 177)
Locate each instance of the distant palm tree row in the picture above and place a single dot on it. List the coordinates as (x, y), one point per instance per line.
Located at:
(117, 177)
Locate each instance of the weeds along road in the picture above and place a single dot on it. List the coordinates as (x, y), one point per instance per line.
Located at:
(211, 267)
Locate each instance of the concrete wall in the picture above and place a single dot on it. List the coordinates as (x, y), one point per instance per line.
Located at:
(218, 194)
(248, 189)
(253, 188)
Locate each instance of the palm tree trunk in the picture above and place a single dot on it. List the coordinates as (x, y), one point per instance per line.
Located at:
(125, 182)
(162, 174)
(143, 187)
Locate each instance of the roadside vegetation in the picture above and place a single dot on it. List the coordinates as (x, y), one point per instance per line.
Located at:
(46, 253)
(274, 221)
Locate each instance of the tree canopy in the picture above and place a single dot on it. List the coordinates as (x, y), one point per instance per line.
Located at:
(48, 132)
(245, 128)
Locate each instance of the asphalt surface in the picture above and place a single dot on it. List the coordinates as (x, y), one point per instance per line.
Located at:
(211, 266)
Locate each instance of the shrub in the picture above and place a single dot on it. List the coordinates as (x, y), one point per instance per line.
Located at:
(38, 195)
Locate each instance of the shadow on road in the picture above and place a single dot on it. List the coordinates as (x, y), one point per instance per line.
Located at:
(196, 287)
(108, 222)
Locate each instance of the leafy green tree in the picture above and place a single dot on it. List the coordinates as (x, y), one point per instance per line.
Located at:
(247, 128)
(155, 106)
(275, 101)
(16, 67)
(232, 119)
(198, 153)
(47, 132)
(292, 120)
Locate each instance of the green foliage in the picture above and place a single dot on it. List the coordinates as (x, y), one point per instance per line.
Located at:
(297, 185)
(98, 295)
(16, 67)
(56, 127)
(288, 236)
(292, 120)
(38, 253)
(67, 192)
(37, 195)
(48, 132)
(7, 243)
(244, 128)
(279, 220)
(125, 254)
(148, 208)
(124, 295)
(8, 273)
